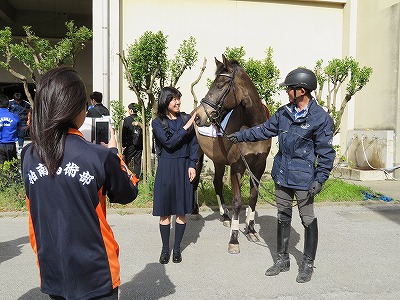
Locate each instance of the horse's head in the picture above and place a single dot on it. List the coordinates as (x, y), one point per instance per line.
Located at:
(221, 97)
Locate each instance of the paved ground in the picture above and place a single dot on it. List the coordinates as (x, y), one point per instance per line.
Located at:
(357, 257)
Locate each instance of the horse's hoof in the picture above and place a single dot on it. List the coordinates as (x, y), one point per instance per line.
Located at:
(226, 220)
(253, 237)
(234, 249)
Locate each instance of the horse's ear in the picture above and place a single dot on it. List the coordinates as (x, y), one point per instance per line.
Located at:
(227, 62)
(218, 63)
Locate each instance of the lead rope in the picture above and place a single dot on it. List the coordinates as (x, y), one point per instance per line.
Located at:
(255, 180)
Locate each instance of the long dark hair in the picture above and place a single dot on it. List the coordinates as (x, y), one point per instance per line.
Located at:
(166, 96)
(60, 97)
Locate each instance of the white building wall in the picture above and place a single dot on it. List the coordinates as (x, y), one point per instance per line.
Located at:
(299, 33)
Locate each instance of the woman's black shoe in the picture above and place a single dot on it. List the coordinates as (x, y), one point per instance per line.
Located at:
(164, 258)
(177, 257)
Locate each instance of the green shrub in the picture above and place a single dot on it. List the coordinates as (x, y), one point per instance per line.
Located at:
(12, 192)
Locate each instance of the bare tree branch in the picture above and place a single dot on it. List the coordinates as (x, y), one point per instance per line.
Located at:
(195, 101)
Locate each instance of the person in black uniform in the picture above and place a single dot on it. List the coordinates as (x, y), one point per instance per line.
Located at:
(67, 179)
(302, 164)
(132, 140)
(98, 110)
(173, 188)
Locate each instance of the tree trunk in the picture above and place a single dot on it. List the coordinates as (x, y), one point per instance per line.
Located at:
(347, 98)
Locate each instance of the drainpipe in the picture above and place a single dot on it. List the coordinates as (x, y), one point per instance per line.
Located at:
(105, 32)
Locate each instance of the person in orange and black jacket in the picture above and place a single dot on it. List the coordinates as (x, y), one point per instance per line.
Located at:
(67, 180)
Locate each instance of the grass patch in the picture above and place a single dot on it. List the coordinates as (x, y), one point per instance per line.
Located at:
(12, 193)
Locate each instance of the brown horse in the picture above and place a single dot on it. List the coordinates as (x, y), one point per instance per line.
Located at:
(233, 90)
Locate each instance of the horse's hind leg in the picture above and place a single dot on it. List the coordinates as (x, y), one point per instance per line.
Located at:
(251, 232)
(233, 247)
(219, 170)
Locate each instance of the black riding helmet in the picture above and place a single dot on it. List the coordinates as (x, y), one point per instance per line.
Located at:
(301, 78)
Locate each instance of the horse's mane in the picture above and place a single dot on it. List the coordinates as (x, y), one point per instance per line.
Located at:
(222, 66)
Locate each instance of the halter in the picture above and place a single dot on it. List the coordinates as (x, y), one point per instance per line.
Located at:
(215, 115)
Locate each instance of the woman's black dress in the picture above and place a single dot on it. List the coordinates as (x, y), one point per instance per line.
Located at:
(173, 192)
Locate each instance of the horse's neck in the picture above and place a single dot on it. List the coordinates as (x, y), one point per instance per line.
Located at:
(254, 112)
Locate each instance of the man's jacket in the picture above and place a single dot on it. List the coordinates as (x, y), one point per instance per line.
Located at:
(9, 124)
(305, 145)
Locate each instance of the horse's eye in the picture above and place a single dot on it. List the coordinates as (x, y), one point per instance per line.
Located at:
(220, 85)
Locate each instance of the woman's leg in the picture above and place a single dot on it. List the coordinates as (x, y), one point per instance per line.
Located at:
(180, 226)
(165, 229)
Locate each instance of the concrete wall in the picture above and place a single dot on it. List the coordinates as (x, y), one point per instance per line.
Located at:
(299, 32)
(377, 106)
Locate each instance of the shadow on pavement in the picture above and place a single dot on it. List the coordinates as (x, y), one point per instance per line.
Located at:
(390, 212)
(34, 294)
(193, 228)
(150, 284)
(11, 249)
(267, 233)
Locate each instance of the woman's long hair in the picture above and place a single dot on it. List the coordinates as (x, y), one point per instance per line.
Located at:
(60, 97)
(166, 96)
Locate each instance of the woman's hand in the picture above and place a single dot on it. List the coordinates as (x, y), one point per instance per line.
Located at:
(190, 122)
(192, 174)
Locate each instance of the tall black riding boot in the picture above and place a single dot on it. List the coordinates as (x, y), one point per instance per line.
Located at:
(282, 263)
(310, 249)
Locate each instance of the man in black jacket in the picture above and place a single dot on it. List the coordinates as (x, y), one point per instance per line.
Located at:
(98, 110)
(132, 143)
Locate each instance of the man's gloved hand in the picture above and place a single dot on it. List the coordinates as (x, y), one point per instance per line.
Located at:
(314, 189)
(232, 138)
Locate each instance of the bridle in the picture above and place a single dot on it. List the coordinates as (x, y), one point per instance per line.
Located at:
(215, 115)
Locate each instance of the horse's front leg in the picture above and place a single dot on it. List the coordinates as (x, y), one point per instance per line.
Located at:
(251, 232)
(219, 171)
(233, 247)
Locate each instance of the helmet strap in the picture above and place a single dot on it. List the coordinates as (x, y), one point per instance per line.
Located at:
(295, 97)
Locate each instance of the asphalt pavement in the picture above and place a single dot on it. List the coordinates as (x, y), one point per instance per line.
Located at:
(356, 259)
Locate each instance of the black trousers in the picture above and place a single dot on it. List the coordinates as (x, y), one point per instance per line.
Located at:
(132, 153)
(7, 152)
(284, 200)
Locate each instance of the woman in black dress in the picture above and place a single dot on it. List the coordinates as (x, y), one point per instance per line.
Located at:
(177, 158)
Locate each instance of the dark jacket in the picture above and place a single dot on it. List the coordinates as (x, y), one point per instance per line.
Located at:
(176, 143)
(98, 111)
(132, 135)
(76, 251)
(305, 146)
